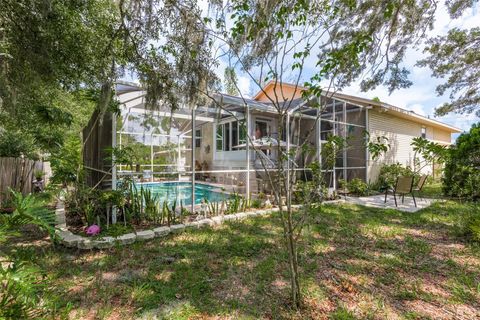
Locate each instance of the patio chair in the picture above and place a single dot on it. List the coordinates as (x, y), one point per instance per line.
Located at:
(403, 186)
(421, 182)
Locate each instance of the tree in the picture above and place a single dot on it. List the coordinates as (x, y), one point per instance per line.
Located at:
(231, 81)
(311, 44)
(49, 50)
(456, 56)
(462, 166)
(426, 153)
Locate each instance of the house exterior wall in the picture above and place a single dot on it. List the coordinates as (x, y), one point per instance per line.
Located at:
(207, 148)
(280, 92)
(400, 133)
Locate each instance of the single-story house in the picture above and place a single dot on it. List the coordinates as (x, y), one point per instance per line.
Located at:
(219, 131)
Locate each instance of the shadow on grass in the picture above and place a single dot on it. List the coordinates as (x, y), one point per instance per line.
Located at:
(356, 261)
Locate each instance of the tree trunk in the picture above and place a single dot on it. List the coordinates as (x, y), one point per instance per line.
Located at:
(293, 261)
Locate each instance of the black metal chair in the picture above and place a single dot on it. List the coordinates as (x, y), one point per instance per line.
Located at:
(403, 186)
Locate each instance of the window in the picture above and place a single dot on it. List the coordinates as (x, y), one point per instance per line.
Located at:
(230, 134)
(262, 128)
(226, 137)
(242, 129)
(219, 137)
(198, 138)
(424, 133)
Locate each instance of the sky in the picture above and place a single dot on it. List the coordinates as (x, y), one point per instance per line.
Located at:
(421, 97)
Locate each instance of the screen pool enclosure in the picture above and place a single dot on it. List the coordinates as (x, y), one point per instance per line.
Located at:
(221, 147)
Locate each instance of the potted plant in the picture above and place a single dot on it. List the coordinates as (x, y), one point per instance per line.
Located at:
(39, 175)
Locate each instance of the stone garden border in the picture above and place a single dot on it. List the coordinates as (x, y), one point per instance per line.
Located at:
(71, 240)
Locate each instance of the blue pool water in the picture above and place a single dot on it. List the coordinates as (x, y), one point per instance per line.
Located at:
(182, 191)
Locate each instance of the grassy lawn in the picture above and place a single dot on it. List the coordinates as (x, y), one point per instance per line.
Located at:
(357, 263)
(432, 190)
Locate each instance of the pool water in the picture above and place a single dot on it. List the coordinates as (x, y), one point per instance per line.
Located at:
(182, 192)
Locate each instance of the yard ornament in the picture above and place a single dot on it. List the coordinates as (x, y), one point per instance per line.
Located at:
(93, 230)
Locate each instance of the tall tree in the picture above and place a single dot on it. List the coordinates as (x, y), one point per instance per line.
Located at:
(50, 51)
(310, 44)
(456, 57)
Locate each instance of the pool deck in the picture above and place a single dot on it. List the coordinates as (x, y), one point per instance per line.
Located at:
(377, 201)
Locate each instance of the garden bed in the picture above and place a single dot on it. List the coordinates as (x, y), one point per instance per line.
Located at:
(75, 240)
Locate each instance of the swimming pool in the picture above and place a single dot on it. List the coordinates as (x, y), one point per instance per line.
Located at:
(182, 192)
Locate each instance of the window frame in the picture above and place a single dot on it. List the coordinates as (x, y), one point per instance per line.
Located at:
(198, 138)
(241, 134)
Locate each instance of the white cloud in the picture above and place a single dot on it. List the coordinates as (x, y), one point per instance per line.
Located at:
(421, 97)
(244, 85)
(418, 109)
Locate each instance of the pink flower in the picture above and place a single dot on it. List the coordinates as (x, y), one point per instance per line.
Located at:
(93, 230)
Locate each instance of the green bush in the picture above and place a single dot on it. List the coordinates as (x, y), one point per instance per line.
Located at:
(355, 186)
(66, 162)
(390, 172)
(462, 166)
(24, 293)
(15, 143)
(468, 224)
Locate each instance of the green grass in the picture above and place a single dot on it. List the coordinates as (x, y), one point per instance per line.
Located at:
(432, 190)
(356, 263)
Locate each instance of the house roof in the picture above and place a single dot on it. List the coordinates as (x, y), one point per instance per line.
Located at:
(385, 107)
(123, 87)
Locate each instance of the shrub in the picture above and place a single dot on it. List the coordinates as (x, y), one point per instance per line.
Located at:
(256, 203)
(15, 143)
(390, 172)
(24, 294)
(462, 166)
(66, 162)
(468, 224)
(355, 186)
(358, 187)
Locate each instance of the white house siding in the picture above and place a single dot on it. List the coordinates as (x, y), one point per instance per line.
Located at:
(206, 150)
(442, 136)
(400, 133)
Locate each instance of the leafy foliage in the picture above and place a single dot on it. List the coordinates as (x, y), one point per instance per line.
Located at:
(48, 51)
(21, 286)
(462, 166)
(377, 147)
(28, 210)
(355, 186)
(22, 283)
(456, 57)
(66, 163)
(390, 172)
(468, 223)
(429, 151)
(15, 143)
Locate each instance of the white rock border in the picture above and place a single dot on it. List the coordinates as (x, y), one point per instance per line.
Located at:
(70, 240)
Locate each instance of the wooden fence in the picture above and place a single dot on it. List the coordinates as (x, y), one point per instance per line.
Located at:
(18, 174)
(97, 138)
